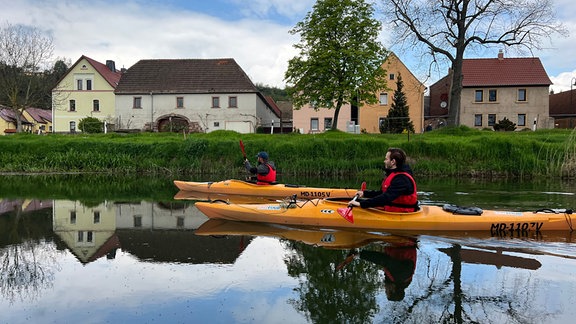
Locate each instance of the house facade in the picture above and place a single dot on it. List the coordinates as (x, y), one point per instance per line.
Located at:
(371, 116)
(196, 95)
(86, 90)
(367, 118)
(494, 89)
(563, 109)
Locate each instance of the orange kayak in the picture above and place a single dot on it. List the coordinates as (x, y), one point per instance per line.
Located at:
(239, 187)
(329, 213)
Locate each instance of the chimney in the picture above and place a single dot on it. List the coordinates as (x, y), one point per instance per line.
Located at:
(500, 55)
(111, 65)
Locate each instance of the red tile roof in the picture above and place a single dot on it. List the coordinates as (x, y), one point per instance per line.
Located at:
(113, 77)
(563, 104)
(504, 72)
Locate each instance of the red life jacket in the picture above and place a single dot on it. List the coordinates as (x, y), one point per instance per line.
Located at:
(404, 203)
(266, 179)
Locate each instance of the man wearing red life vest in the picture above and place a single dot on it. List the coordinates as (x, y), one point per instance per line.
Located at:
(398, 192)
(265, 171)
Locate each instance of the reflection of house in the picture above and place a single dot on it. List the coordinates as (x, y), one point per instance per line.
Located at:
(563, 109)
(492, 89)
(86, 90)
(24, 205)
(368, 117)
(197, 95)
(86, 230)
(161, 232)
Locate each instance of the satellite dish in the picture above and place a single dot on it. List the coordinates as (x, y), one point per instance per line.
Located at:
(443, 104)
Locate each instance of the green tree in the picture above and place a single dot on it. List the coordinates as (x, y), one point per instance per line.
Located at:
(446, 29)
(340, 57)
(398, 119)
(91, 125)
(23, 52)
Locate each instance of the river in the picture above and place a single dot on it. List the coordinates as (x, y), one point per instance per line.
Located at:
(101, 249)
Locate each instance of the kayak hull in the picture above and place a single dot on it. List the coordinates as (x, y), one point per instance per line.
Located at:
(324, 213)
(239, 187)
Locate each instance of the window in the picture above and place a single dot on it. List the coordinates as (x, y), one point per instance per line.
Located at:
(215, 102)
(233, 102)
(216, 124)
(391, 76)
(491, 119)
(72, 217)
(479, 96)
(478, 120)
(72, 105)
(96, 217)
(137, 221)
(327, 123)
(96, 105)
(89, 236)
(137, 102)
(492, 95)
(179, 221)
(521, 119)
(314, 124)
(79, 84)
(521, 94)
(80, 236)
(179, 102)
(88, 84)
(383, 99)
(72, 127)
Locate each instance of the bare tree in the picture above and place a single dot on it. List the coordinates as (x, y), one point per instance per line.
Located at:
(24, 51)
(446, 29)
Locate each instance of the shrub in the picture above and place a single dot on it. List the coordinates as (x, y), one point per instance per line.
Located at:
(91, 125)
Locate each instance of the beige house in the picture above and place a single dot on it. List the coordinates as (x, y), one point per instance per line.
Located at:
(494, 89)
(367, 118)
(86, 90)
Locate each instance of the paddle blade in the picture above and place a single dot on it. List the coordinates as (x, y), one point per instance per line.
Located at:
(346, 213)
(242, 148)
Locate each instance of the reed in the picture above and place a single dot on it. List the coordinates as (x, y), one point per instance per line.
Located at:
(448, 152)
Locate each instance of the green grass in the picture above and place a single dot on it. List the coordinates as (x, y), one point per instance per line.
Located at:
(447, 152)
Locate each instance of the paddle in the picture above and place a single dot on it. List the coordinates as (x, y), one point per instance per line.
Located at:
(242, 148)
(347, 212)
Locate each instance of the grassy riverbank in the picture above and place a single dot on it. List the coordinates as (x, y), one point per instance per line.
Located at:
(448, 152)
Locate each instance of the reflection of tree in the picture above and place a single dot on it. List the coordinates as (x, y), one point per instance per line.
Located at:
(27, 260)
(447, 299)
(326, 295)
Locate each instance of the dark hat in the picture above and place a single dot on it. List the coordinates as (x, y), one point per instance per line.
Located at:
(263, 155)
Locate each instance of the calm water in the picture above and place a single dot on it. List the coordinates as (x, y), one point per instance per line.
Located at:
(92, 249)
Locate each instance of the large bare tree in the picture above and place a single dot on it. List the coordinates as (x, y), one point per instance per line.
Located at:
(446, 29)
(24, 52)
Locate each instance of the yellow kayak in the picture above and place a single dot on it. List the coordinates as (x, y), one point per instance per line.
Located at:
(327, 238)
(334, 213)
(239, 187)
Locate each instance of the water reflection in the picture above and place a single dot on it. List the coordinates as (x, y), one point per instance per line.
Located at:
(137, 259)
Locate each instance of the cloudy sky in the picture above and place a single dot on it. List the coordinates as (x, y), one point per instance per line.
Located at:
(254, 33)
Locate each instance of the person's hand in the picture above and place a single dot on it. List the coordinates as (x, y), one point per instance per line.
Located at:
(360, 193)
(354, 203)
